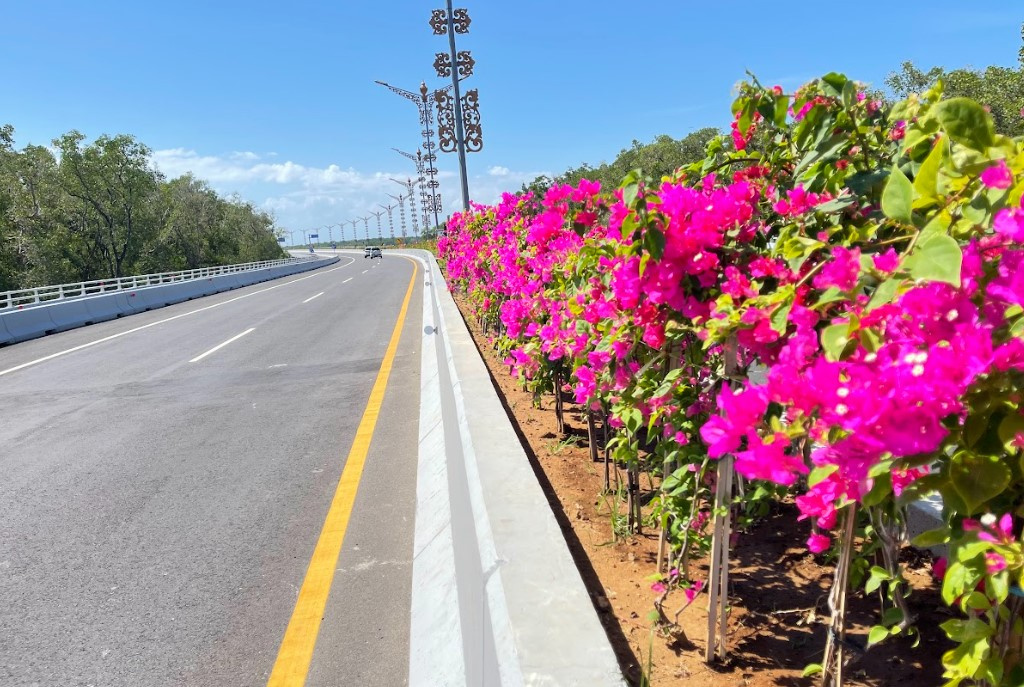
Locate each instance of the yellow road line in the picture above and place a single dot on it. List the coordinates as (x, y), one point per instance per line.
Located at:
(296, 652)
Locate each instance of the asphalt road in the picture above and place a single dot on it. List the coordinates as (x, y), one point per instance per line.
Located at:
(159, 506)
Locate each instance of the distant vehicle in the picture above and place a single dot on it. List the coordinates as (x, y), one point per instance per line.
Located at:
(311, 249)
(366, 252)
(334, 245)
(372, 252)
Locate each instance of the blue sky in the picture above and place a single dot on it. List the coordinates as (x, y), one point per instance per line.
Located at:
(276, 101)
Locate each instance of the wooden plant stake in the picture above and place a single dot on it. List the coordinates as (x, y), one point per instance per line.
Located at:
(592, 436)
(559, 418)
(719, 583)
(832, 663)
(607, 455)
(718, 592)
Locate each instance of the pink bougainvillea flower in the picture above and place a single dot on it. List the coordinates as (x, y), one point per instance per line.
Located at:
(723, 433)
(817, 543)
(898, 131)
(798, 201)
(994, 562)
(886, 262)
(693, 591)
(841, 272)
(901, 479)
(1009, 222)
(770, 459)
(658, 587)
(997, 176)
(939, 568)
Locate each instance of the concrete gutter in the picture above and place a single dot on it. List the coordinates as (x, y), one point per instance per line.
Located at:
(497, 598)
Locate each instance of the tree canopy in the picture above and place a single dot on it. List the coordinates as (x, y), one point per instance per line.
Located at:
(999, 89)
(662, 156)
(81, 211)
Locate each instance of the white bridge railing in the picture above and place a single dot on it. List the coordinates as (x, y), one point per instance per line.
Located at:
(24, 298)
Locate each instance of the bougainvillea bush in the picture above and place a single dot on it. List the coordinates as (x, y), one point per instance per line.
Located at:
(834, 298)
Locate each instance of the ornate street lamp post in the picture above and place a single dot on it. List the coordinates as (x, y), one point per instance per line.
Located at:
(378, 215)
(401, 211)
(391, 219)
(366, 227)
(464, 114)
(412, 203)
(425, 107)
(420, 161)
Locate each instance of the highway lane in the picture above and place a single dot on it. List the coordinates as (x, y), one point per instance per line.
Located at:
(157, 515)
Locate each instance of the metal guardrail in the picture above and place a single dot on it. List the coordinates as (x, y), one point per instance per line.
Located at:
(25, 298)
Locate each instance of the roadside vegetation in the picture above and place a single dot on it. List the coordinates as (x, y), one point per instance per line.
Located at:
(825, 309)
(79, 211)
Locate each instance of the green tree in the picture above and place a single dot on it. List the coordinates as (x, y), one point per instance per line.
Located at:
(192, 232)
(661, 157)
(113, 199)
(11, 262)
(999, 89)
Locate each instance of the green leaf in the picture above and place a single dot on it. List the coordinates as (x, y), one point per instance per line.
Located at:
(884, 294)
(936, 257)
(862, 183)
(834, 339)
(926, 183)
(781, 109)
(931, 538)
(978, 479)
(833, 83)
(966, 122)
(812, 669)
(630, 186)
(878, 576)
(654, 242)
(1009, 428)
(953, 584)
(891, 616)
(877, 634)
(836, 204)
(780, 317)
(998, 586)
(966, 630)
(819, 473)
(632, 418)
(898, 196)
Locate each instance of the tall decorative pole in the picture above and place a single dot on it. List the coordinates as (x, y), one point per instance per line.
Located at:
(425, 200)
(378, 215)
(412, 207)
(455, 65)
(390, 209)
(366, 227)
(425, 105)
(355, 230)
(401, 211)
(411, 195)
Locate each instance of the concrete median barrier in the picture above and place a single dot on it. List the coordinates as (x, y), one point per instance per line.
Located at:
(68, 314)
(28, 323)
(102, 308)
(32, 322)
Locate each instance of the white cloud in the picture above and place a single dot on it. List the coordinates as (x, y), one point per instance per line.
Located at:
(301, 196)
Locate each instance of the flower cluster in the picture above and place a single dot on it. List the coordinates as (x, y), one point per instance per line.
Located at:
(834, 298)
